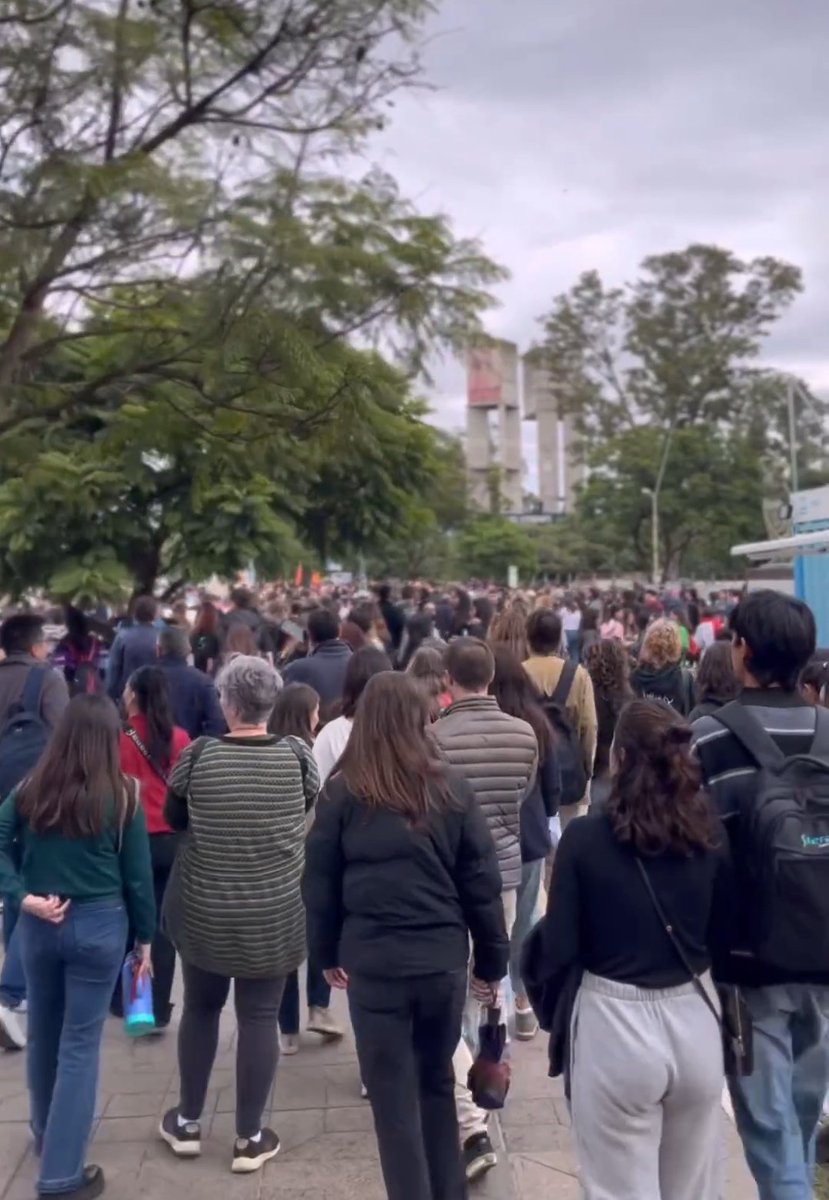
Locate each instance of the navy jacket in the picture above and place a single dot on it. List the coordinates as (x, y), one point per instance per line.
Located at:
(134, 647)
(324, 670)
(194, 699)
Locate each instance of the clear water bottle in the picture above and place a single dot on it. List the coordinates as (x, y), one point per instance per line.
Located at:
(137, 992)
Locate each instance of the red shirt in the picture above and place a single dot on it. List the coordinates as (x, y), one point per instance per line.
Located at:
(152, 788)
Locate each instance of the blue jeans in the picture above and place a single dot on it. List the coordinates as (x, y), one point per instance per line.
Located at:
(71, 969)
(12, 978)
(319, 996)
(573, 638)
(526, 915)
(778, 1107)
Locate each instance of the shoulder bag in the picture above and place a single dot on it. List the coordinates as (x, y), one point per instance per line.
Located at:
(735, 1024)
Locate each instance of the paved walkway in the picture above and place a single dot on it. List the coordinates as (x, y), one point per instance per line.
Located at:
(329, 1151)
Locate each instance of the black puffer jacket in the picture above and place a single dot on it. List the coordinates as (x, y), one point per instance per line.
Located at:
(385, 900)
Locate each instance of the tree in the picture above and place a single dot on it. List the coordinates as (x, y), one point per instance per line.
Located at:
(488, 545)
(667, 367)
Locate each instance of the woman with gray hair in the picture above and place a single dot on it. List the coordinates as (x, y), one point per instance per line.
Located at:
(233, 907)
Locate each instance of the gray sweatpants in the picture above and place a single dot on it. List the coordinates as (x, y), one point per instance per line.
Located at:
(646, 1086)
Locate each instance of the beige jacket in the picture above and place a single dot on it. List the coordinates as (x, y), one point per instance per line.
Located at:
(545, 672)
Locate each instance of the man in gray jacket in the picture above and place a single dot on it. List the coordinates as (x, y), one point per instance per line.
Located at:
(498, 755)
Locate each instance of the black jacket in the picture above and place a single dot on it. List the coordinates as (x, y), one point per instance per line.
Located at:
(193, 697)
(323, 670)
(385, 900)
(536, 811)
(672, 685)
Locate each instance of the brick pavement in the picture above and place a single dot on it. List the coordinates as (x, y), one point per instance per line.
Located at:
(329, 1151)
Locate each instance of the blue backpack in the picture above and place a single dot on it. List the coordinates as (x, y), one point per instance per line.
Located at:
(25, 734)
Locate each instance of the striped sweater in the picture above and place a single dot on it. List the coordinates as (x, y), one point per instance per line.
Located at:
(233, 905)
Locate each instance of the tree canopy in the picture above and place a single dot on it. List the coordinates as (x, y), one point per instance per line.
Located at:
(210, 339)
(663, 383)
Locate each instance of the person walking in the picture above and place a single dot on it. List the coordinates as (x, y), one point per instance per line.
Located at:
(660, 674)
(778, 1107)
(401, 873)
(233, 907)
(296, 714)
(150, 747)
(85, 875)
(498, 755)
(134, 647)
(545, 667)
(27, 683)
(608, 665)
(516, 695)
(716, 683)
(326, 663)
(645, 1057)
(193, 696)
(333, 737)
(205, 642)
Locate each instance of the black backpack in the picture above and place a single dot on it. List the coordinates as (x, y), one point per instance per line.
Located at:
(784, 838)
(25, 735)
(567, 745)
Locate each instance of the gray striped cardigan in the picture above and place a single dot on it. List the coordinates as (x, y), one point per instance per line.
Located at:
(233, 905)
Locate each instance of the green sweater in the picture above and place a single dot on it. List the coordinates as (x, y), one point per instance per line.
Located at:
(111, 866)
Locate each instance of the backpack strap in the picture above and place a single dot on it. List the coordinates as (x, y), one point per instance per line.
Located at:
(739, 720)
(820, 746)
(565, 684)
(33, 686)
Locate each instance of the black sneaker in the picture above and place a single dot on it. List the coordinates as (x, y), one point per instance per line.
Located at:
(92, 1185)
(478, 1156)
(183, 1140)
(249, 1156)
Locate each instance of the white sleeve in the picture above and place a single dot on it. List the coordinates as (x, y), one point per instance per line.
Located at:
(325, 753)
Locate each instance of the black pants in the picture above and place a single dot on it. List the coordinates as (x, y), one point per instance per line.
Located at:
(257, 1048)
(163, 847)
(407, 1031)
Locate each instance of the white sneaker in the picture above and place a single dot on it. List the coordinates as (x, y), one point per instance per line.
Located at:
(289, 1044)
(321, 1021)
(12, 1033)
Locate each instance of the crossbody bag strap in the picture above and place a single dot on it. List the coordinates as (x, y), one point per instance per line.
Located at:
(142, 749)
(669, 929)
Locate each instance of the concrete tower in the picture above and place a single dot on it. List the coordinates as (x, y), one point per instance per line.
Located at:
(559, 470)
(492, 386)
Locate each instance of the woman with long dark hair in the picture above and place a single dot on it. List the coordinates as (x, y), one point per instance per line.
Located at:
(716, 682)
(79, 654)
(608, 665)
(517, 695)
(646, 1059)
(150, 746)
(205, 641)
(85, 875)
(296, 713)
(401, 870)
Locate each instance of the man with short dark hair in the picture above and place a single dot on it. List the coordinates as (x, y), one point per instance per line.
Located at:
(324, 666)
(498, 755)
(134, 647)
(545, 667)
(23, 642)
(778, 1106)
(193, 695)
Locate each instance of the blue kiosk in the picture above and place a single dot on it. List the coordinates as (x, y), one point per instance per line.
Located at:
(807, 549)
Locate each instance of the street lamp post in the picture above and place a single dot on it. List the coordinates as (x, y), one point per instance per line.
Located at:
(654, 499)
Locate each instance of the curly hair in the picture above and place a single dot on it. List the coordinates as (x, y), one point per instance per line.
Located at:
(608, 665)
(662, 646)
(510, 628)
(656, 803)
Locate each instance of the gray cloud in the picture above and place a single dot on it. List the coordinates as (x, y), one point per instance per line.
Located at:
(570, 134)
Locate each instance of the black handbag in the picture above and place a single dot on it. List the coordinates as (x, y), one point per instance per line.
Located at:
(735, 1024)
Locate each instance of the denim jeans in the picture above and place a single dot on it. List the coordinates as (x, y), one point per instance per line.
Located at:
(778, 1107)
(12, 978)
(526, 915)
(71, 969)
(319, 996)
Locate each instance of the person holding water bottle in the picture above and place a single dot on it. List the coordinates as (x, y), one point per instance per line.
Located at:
(85, 876)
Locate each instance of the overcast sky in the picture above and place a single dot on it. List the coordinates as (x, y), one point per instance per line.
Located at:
(571, 134)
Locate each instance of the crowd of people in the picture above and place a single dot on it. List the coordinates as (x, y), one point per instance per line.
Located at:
(604, 815)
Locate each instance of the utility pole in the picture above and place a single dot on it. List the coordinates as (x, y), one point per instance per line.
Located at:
(790, 401)
(654, 499)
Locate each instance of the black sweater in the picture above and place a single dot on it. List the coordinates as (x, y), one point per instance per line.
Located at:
(600, 916)
(386, 900)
